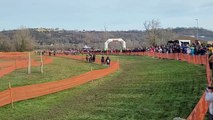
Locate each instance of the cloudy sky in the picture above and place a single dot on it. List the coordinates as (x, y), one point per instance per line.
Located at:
(98, 14)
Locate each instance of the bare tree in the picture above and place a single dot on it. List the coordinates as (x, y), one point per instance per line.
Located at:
(5, 43)
(166, 35)
(152, 30)
(88, 38)
(23, 40)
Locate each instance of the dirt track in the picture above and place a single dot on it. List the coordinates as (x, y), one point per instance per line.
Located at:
(15, 61)
(32, 91)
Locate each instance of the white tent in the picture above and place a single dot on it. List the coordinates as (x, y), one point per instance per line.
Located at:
(86, 47)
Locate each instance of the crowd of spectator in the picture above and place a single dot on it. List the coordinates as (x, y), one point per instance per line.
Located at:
(90, 57)
(192, 49)
(105, 61)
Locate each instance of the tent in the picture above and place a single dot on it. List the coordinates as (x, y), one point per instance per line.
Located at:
(86, 47)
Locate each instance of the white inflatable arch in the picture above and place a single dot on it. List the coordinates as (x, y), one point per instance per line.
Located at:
(114, 39)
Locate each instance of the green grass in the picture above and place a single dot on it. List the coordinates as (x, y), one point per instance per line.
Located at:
(2, 60)
(143, 89)
(61, 68)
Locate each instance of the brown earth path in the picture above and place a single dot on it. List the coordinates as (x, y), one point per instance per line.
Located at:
(8, 67)
(36, 90)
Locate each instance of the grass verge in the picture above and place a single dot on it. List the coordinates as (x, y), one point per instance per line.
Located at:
(143, 89)
(61, 68)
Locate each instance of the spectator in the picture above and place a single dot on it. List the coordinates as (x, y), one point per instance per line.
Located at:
(192, 49)
(42, 52)
(188, 50)
(211, 48)
(50, 53)
(54, 52)
(87, 58)
(202, 51)
(90, 58)
(210, 61)
(209, 99)
(102, 60)
(108, 61)
(93, 58)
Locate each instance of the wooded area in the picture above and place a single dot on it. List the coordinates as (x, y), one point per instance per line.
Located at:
(29, 39)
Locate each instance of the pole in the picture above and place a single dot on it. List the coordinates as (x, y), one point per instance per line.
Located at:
(11, 95)
(118, 62)
(15, 64)
(91, 68)
(42, 65)
(197, 29)
(29, 64)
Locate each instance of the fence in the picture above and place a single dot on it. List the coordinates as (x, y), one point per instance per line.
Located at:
(199, 112)
(17, 61)
(31, 91)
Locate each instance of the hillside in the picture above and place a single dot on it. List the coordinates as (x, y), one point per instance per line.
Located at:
(77, 39)
(202, 33)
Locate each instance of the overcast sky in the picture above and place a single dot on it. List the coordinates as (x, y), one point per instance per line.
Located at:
(97, 14)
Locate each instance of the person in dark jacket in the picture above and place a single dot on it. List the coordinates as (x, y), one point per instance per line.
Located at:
(211, 63)
(102, 60)
(93, 58)
(108, 61)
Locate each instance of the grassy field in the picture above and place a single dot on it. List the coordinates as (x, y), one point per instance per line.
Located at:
(143, 89)
(61, 68)
(2, 60)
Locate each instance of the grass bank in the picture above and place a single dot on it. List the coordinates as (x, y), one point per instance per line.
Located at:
(143, 89)
(61, 68)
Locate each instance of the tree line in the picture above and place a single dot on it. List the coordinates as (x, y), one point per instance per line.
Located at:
(17, 40)
(29, 39)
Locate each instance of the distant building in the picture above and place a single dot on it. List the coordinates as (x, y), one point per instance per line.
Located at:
(47, 29)
(202, 39)
(192, 39)
(40, 29)
(210, 42)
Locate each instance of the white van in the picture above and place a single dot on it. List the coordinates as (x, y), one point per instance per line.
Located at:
(180, 42)
(184, 42)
